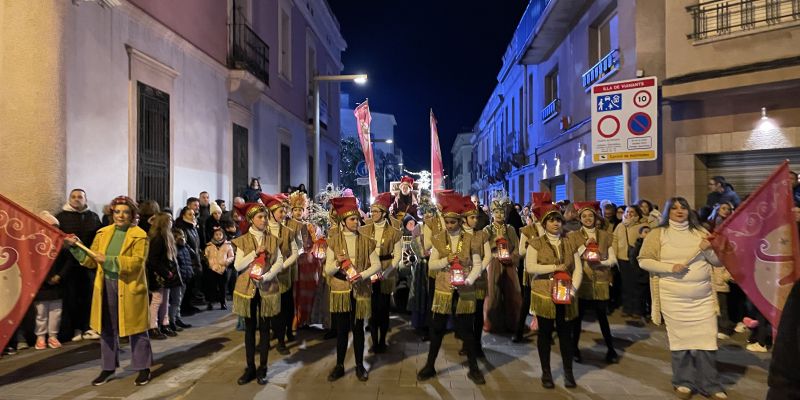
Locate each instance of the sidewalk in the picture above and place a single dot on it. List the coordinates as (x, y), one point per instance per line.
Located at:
(204, 362)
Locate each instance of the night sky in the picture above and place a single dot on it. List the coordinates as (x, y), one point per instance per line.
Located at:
(419, 55)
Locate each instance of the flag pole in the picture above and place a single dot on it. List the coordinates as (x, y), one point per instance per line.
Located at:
(86, 249)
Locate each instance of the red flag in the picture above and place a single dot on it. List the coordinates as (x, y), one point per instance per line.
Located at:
(758, 244)
(363, 120)
(437, 169)
(28, 247)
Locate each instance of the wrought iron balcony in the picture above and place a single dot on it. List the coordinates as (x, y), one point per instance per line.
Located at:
(551, 110)
(600, 71)
(718, 18)
(248, 51)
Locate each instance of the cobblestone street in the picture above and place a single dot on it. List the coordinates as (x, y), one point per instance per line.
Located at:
(204, 363)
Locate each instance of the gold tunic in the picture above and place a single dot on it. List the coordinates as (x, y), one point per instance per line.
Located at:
(479, 238)
(596, 277)
(385, 245)
(443, 292)
(341, 289)
(541, 301)
(245, 288)
(285, 238)
(433, 223)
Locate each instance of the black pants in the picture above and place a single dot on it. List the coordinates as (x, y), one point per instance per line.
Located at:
(431, 290)
(565, 340)
(600, 309)
(344, 323)
(464, 326)
(283, 324)
(250, 326)
(216, 286)
(523, 312)
(632, 289)
(192, 293)
(77, 304)
(477, 326)
(379, 321)
(724, 323)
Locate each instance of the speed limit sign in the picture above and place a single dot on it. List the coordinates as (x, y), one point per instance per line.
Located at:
(642, 98)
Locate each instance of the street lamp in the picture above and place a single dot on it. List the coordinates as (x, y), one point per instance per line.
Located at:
(358, 79)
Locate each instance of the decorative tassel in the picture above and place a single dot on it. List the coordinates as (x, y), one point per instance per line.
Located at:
(601, 291)
(270, 305)
(285, 280)
(543, 305)
(480, 293)
(442, 302)
(363, 308)
(340, 301)
(241, 305)
(465, 306)
(388, 285)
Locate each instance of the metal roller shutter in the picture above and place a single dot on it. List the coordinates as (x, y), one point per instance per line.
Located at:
(606, 183)
(747, 170)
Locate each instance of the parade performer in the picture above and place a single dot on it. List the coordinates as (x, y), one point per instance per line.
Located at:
(550, 262)
(387, 239)
(406, 201)
(120, 306)
(529, 232)
(433, 224)
(595, 253)
(457, 268)
(308, 266)
(502, 307)
(351, 260)
(480, 246)
(256, 297)
(287, 243)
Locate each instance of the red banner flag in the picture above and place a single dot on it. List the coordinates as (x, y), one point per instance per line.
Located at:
(28, 247)
(758, 244)
(363, 120)
(437, 168)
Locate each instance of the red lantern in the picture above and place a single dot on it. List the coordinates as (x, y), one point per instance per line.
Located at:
(349, 270)
(320, 249)
(592, 252)
(256, 271)
(561, 288)
(457, 275)
(503, 253)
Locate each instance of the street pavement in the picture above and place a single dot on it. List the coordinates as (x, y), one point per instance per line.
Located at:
(204, 362)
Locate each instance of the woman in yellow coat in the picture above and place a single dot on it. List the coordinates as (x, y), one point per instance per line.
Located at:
(120, 306)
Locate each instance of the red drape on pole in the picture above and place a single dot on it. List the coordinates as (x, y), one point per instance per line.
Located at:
(28, 247)
(758, 244)
(437, 168)
(363, 120)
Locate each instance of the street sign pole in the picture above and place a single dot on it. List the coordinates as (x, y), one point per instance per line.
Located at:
(626, 178)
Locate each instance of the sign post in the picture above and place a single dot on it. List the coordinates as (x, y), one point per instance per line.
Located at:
(624, 115)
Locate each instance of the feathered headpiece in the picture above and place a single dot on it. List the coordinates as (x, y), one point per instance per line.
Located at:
(426, 205)
(500, 200)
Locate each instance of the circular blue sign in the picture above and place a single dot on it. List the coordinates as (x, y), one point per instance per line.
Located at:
(361, 169)
(639, 123)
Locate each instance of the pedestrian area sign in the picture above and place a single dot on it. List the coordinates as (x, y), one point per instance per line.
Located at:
(623, 115)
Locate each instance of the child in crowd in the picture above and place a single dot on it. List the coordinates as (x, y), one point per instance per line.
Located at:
(185, 257)
(219, 254)
(48, 301)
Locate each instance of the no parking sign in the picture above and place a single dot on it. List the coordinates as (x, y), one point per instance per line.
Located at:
(623, 117)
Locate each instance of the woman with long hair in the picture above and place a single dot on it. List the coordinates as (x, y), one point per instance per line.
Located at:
(633, 288)
(162, 274)
(679, 257)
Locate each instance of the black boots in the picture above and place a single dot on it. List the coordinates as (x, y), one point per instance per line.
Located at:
(427, 372)
(247, 377)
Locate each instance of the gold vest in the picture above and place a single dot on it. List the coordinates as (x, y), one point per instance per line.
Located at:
(342, 290)
(245, 288)
(286, 236)
(541, 301)
(596, 279)
(479, 238)
(443, 293)
(385, 245)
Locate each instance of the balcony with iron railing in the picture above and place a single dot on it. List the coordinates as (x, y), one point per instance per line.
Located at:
(551, 110)
(602, 70)
(724, 18)
(247, 50)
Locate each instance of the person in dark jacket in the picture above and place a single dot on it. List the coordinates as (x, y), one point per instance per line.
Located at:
(76, 217)
(187, 223)
(483, 217)
(253, 192)
(721, 192)
(48, 299)
(162, 274)
(147, 209)
(784, 370)
(184, 257)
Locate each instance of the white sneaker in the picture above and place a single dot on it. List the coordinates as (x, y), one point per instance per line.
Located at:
(722, 336)
(78, 336)
(739, 327)
(756, 348)
(22, 345)
(91, 335)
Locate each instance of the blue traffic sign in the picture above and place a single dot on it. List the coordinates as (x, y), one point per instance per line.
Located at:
(639, 123)
(361, 169)
(609, 102)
